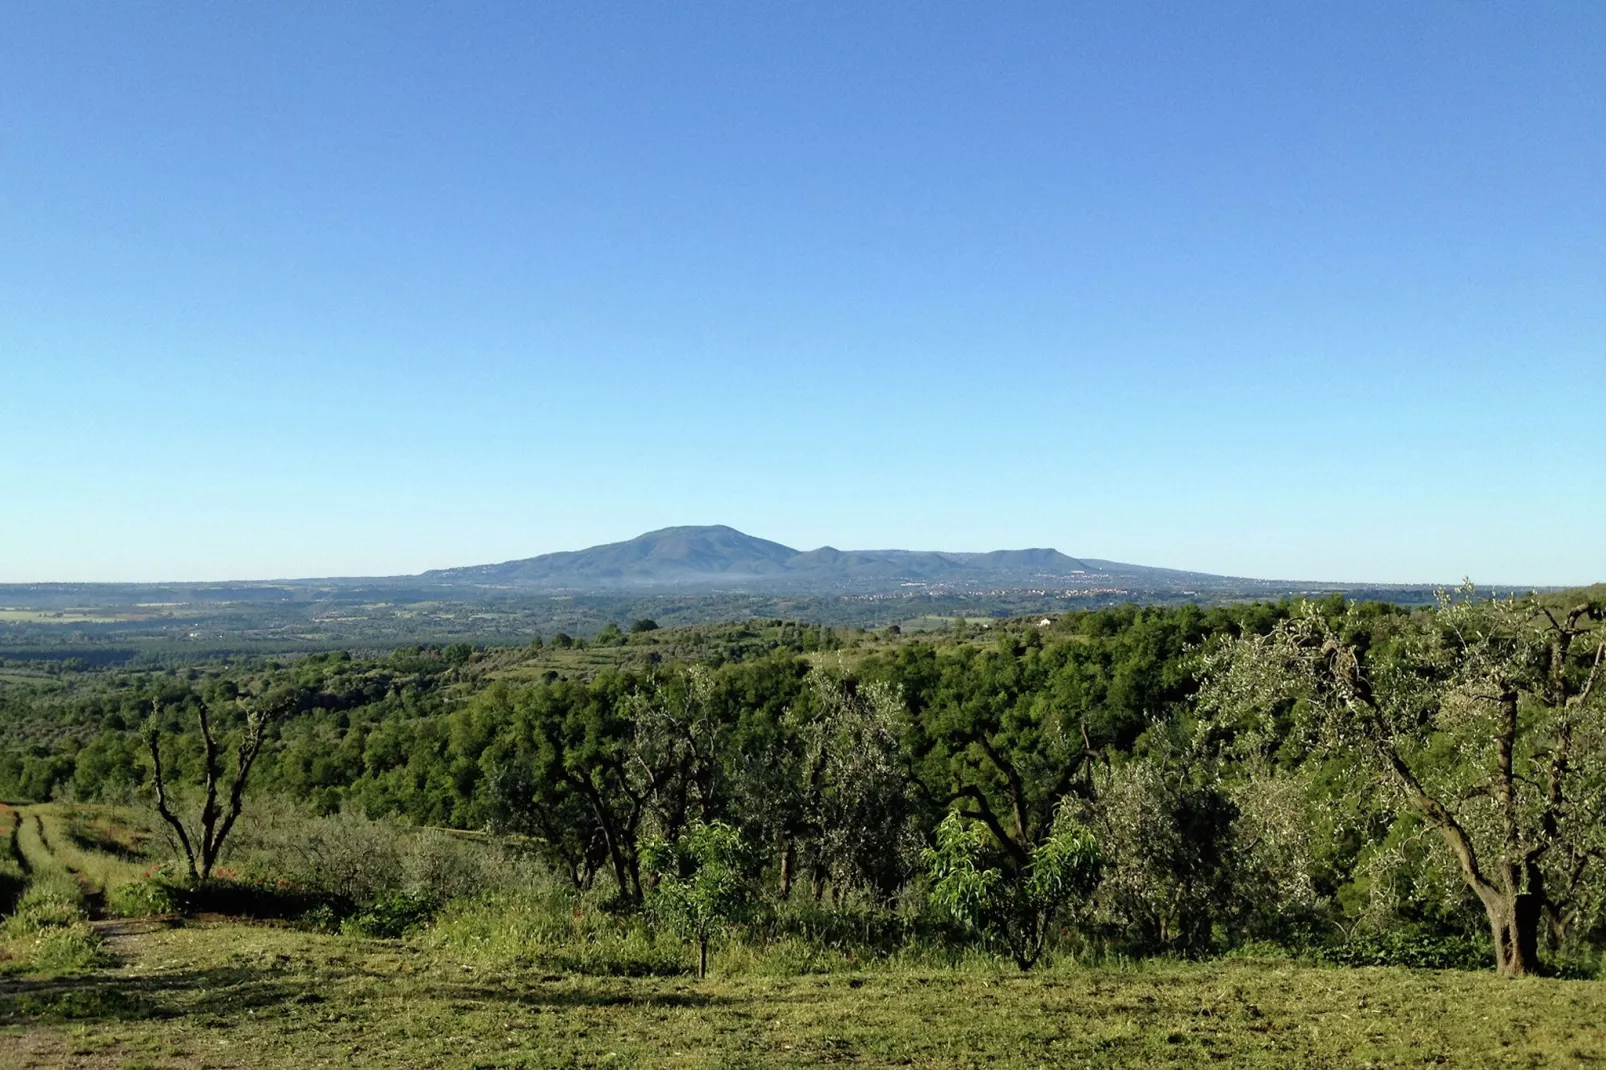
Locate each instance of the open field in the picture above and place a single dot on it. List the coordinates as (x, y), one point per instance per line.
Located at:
(220, 992)
(224, 994)
(69, 616)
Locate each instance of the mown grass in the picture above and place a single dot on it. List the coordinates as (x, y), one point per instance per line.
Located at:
(543, 979)
(12, 871)
(95, 844)
(233, 995)
(46, 930)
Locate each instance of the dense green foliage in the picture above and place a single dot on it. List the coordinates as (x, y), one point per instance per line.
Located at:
(1016, 911)
(835, 756)
(700, 882)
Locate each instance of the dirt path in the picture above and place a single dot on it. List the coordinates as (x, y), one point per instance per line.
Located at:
(120, 936)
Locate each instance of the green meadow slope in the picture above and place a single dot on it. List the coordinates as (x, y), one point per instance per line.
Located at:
(223, 994)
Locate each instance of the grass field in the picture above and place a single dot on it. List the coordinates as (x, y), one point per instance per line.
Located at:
(225, 994)
(13, 869)
(58, 838)
(78, 989)
(65, 616)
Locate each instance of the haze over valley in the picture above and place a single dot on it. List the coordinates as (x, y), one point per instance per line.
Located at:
(675, 576)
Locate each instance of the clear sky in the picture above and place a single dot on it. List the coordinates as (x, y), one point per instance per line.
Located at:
(1284, 290)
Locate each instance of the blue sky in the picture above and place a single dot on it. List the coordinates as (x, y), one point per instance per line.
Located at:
(1295, 291)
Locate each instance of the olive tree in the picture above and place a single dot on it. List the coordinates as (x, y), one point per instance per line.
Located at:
(1484, 718)
(854, 794)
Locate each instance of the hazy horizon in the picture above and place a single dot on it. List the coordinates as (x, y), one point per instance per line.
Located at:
(1246, 289)
(1515, 585)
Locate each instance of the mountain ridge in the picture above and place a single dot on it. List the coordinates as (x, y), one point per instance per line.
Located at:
(718, 555)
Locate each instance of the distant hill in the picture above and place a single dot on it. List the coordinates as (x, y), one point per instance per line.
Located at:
(721, 557)
(667, 557)
(676, 576)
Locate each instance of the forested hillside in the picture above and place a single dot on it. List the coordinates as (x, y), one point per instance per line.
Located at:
(1189, 745)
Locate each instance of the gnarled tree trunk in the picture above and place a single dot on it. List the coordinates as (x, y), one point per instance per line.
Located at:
(1514, 926)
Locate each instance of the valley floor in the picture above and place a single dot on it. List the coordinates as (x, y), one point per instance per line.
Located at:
(225, 994)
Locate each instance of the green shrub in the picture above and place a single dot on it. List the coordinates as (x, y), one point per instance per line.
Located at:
(51, 901)
(557, 930)
(141, 899)
(321, 918)
(352, 859)
(394, 915)
(252, 897)
(48, 933)
(1419, 950)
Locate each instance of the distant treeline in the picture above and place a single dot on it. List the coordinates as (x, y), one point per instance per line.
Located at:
(167, 626)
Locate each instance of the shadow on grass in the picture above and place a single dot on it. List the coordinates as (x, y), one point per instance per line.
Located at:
(225, 993)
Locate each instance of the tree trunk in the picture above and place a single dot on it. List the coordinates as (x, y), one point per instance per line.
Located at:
(702, 957)
(788, 863)
(1514, 926)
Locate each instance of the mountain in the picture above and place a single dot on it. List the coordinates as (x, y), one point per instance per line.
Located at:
(666, 557)
(722, 557)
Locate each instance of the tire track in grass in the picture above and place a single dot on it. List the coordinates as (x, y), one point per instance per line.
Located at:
(90, 897)
(49, 931)
(37, 857)
(13, 866)
(13, 844)
(33, 852)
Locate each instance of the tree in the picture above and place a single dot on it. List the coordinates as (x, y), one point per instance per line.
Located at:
(1485, 720)
(1016, 909)
(590, 768)
(702, 882)
(989, 734)
(644, 624)
(202, 849)
(1168, 832)
(855, 805)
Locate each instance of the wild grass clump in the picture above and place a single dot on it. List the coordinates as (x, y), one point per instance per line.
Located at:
(48, 932)
(555, 929)
(368, 877)
(51, 900)
(55, 950)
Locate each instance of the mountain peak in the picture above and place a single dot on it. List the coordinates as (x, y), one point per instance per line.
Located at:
(717, 555)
